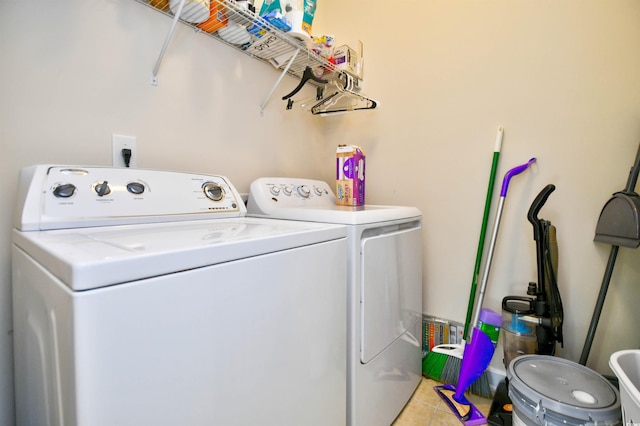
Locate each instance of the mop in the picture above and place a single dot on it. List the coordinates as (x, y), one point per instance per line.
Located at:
(479, 350)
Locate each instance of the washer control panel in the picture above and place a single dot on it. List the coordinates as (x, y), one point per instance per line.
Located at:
(267, 194)
(56, 197)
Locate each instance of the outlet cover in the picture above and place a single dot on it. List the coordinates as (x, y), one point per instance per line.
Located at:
(120, 142)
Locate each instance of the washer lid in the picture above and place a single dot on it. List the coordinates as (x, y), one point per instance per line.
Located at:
(345, 215)
(562, 386)
(89, 258)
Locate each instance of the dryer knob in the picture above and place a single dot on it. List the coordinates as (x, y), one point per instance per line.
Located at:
(65, 190)
(304, 191)
(287, 190)
(275, 190)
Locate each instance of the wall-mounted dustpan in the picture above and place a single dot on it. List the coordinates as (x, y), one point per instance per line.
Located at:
(619, 223)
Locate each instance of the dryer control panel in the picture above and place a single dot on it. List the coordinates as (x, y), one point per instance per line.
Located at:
(58, 197)
(279, 192)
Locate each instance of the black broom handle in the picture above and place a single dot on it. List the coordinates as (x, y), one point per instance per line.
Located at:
(630, 188)
(633, 174)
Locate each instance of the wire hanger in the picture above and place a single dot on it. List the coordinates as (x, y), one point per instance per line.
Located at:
(304, 103)
(344, 99)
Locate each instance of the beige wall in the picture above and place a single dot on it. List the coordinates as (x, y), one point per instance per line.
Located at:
(560, 76)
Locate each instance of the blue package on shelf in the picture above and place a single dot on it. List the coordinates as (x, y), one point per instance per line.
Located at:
(275, 18)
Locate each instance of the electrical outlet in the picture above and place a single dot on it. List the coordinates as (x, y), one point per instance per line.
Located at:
(120, 142)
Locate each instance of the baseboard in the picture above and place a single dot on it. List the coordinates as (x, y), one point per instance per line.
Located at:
(496, 375)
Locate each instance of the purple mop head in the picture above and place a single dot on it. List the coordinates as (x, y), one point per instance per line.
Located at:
(464, 410)
(476, 359)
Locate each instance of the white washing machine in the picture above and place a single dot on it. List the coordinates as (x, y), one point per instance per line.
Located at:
(147, 297)
(384, 258)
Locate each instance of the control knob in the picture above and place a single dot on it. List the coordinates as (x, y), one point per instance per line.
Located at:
(135, 188)
(304, 191)
(64, 190)
(102, 188)
(213, 191)
(274, 190)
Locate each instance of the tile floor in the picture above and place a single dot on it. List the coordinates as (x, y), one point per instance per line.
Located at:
(425, 408)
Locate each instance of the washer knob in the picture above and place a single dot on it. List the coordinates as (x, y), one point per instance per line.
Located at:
(304, 191)
(102, 189)
(213, 191)
(318, 191)
(287, 190)
(65, 190)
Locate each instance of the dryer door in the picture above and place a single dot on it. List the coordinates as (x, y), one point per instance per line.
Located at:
(390, 286)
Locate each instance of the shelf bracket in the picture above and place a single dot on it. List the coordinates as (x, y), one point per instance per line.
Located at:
(167, 40)
(275, 86)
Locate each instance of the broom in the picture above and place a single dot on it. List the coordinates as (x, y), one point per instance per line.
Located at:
(442, 362)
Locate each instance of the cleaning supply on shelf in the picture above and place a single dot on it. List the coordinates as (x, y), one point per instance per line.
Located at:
(269, 5)
(262, 24)
(442, 363)
(347, 59)
(350, 174)
(235, 33)
(159, 4)
(193, 11)
(307, 16)
(294, 13)
(217, 18)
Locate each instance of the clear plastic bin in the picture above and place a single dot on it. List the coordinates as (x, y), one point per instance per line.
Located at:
(626, 366)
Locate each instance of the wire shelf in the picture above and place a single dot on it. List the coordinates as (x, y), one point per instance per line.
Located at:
(232, 25)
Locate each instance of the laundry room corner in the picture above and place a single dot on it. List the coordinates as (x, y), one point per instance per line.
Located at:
(561, 79)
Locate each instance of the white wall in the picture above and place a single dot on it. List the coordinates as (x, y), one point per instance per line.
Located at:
(560, 76)
(74, 72)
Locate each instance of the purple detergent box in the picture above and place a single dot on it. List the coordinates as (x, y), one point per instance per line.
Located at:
(350, 166)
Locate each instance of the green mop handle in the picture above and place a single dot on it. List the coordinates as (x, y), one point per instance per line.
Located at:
(483, 231)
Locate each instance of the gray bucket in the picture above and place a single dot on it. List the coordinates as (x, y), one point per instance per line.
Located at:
(546, 390)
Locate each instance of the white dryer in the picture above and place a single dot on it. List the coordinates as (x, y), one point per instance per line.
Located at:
(384, 258)
(147, 297)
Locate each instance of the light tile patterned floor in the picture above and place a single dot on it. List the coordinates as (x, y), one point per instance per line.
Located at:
(425, 408)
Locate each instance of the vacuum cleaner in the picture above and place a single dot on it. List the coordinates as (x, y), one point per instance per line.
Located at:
(531, 324)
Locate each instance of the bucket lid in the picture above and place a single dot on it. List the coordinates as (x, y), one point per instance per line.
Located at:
(562, 389)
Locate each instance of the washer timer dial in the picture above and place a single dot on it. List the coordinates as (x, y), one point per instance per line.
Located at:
(213, 191)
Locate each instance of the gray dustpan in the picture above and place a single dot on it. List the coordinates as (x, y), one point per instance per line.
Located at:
(618, 225)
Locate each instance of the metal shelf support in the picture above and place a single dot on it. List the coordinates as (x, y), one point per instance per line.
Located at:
(167, 40)
(275, 86)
